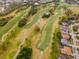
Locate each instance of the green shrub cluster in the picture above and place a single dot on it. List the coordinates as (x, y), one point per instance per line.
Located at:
(25, 53)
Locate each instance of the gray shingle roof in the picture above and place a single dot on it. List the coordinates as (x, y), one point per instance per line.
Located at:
(72, 1)
(42, 1)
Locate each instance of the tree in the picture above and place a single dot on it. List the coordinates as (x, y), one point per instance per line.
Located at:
(68, 12)
(25, 53)
(3, 22)
(22, 22)
(33, 10)
(51, 11)
(36, 29)
(55, 44)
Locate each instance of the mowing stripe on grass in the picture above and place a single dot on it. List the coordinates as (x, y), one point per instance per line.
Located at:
(37, 17)
(47, 32)
(46, 35)
(70, 5)
(14, 21)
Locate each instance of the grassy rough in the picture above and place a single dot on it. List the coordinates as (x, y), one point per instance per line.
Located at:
(14, 21)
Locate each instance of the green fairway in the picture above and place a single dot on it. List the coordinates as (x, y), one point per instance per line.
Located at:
(36, 26)
(37, 17)
(69, 5)
(47, 32)
(14, 21)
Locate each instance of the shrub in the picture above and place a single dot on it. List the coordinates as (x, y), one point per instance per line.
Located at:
(75, 28)
(22, 22)
(51, 11)
(3, 22)
(68, 12)
(55, 44)
(33, 11)
(37, 29)
(25, 53)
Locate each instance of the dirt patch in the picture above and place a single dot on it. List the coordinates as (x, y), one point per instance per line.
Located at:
(75, 10)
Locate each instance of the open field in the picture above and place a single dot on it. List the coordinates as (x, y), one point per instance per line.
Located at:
(37, 16)
(47, 33)
(14, 21)
(36, 33)
(21, 35)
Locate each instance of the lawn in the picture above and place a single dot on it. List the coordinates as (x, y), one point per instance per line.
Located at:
(10, 45)
(14, 21)
(46, 35)
(37, 17)
(10, 49)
